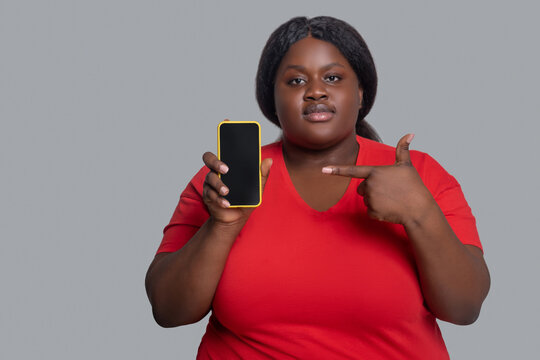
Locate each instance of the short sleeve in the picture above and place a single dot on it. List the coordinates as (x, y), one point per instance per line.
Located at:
(190, 214)
(450, 198)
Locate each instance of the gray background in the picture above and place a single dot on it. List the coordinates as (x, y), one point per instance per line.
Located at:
(107, 106)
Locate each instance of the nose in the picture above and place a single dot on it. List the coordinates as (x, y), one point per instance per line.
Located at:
(316, 91)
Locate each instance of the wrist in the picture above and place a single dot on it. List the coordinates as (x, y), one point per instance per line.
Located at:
(422, 213)
(226, 226)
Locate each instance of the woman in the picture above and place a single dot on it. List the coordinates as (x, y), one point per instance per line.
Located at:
(357, 247)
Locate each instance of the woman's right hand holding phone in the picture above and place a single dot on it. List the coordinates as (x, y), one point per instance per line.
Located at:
(214, 191)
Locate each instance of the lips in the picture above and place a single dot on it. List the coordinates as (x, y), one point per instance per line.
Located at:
(318, 112)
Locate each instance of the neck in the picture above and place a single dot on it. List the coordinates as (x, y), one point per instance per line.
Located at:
(344, 152)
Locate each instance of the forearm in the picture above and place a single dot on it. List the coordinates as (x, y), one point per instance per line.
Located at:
(181, 285)
(453, 278)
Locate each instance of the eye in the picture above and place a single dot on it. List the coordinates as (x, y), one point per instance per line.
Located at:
(296, 81)
(333, 78)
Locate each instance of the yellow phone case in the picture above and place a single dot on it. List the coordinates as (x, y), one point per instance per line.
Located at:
(259, 165)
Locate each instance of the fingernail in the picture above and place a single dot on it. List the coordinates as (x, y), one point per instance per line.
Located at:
(327, 170)
(223, 190)
(409, 139)
(226, 203)
(223, 169)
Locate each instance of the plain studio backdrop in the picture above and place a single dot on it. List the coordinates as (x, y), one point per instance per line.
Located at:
(106, 108)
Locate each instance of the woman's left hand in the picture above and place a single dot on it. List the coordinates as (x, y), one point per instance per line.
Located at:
(393, 193)
(454, 277)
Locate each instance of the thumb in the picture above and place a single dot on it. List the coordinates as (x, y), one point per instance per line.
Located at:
(266, 164)
(402, 149)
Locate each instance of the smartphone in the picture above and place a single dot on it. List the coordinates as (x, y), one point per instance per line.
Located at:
(239, 146)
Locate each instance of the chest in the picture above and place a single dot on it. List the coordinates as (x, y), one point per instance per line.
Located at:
(337, 270)
(319, 191)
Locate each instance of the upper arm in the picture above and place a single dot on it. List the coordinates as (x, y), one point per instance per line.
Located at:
(189, 215)
(449, 196)
(476, 251)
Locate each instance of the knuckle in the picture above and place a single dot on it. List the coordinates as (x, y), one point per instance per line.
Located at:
(206, 197)
(404, 147)
(211, 195)
(211, 161)
(375, 215)
(206, 156)
(211, 178)
(405, 165)
(215, 183)
(345, 171)
(208, 182)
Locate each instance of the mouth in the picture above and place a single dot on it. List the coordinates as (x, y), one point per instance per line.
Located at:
(318, 113)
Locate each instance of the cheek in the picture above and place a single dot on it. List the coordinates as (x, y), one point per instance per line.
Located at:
(287, 103)
(359, 100)
(354, 93)
(356, 97)
(350, 101)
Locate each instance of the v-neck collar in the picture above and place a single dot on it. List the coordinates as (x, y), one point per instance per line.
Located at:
(351, 187)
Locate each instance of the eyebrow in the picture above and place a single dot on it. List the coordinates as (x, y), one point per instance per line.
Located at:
(300, 67)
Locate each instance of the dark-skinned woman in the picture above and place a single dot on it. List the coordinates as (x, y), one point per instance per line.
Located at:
(358, 247)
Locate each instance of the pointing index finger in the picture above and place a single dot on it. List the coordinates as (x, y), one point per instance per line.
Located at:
(360, 172)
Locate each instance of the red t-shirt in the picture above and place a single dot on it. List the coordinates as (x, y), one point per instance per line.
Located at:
(305, 284)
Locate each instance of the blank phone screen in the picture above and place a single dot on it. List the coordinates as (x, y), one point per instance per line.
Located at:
(239, 148)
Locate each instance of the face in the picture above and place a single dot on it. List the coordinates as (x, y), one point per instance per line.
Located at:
(317, 95)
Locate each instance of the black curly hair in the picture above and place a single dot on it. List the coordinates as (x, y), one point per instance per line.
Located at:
(326, 28)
